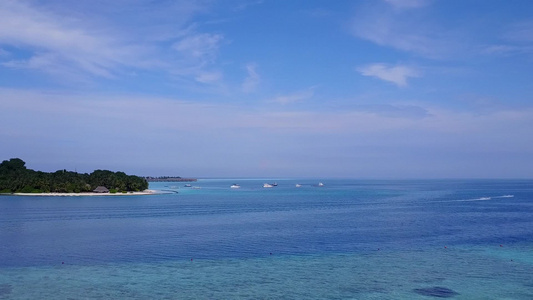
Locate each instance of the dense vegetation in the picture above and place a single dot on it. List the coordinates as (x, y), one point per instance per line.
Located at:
(16, 178)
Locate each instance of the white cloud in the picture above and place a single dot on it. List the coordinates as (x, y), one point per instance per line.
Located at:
(517, 40)
(395, 74)
(252, 79)
(57, 42)
(295, 97)
(383, 31)
(88, 40)
(201, 46)
(172, 134)
(198, 52)
(406, 30)
(46, 110)
(209, 77)
(508, 49)
(32, 107)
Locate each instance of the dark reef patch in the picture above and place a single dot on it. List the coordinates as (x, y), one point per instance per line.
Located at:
(436, 291)
(5, 289)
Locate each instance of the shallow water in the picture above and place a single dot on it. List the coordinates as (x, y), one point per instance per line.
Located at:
(346, 240)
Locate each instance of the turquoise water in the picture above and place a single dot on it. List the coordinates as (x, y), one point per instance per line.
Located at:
(345, 240)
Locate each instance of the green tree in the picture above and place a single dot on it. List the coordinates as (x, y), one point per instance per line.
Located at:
(15, 177)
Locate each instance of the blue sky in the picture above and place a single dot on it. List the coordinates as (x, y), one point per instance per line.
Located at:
(353, 89)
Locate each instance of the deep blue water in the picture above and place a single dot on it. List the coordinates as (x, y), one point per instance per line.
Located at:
(350, 239)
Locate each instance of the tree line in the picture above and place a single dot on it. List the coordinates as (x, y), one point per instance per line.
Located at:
(16, 178)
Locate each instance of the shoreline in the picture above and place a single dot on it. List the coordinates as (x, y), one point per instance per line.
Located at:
(145, 192)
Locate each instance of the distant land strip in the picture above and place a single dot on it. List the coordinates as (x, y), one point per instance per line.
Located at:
(169, 179)
(16, 178)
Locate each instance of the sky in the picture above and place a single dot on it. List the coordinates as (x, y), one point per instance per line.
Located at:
(370, 89)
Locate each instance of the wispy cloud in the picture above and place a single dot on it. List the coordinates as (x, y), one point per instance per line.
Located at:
(407, 3)
(395, 110)
(516, 40)
(245, 4)
(405, 29)
(78, 46)
(38, 113)
(521, 32)
(295, 97)
(198, 53)
(202, 46)
(185, 132)
(208, 76)
(508, 50)
(56, 42)
(252, 79)
(395, 74)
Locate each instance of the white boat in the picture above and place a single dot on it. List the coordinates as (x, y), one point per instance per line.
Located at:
(188, 185)
(298, 185)
(267, 185)
(320, 184)
(235, 186)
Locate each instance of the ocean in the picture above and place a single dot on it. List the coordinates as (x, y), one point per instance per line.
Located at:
(347, 239)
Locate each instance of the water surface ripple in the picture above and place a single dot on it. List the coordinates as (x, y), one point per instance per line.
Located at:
(462, 239)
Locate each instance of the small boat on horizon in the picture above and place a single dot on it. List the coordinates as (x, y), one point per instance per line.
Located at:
(267, 185)
(235, 186)
(188, 185)
(320, 184)
(298, 185)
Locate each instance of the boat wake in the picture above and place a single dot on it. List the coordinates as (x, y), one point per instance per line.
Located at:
(483, 198)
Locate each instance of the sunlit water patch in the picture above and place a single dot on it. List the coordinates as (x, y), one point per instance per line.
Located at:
(457, 273)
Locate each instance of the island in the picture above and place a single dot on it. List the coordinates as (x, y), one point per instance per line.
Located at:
(15, 178)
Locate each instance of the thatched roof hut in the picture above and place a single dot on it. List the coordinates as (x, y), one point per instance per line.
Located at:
(101, 189)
